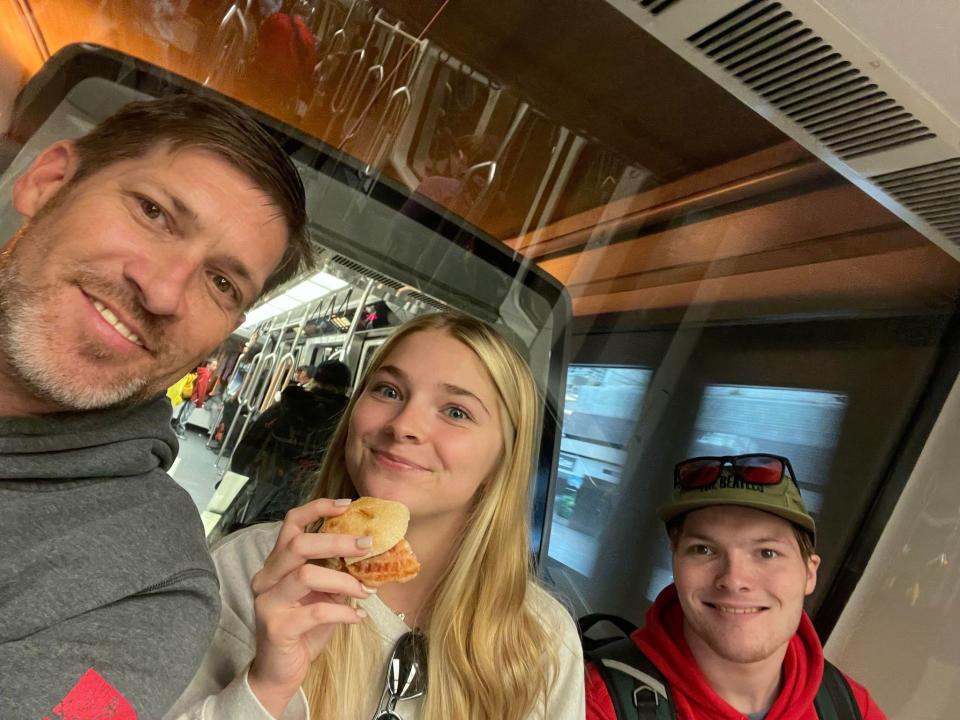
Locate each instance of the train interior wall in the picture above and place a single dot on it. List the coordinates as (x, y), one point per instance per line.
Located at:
(834, 395)
(898, 634)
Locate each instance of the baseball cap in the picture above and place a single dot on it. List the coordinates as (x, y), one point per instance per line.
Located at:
(774, 489)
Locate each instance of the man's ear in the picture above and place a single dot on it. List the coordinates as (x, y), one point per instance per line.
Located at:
(50, 171)
(812, 565)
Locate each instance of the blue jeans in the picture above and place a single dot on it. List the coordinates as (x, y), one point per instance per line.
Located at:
(186, 409)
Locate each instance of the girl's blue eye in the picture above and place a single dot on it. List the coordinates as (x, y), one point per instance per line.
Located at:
(386, 391)
(458, 413)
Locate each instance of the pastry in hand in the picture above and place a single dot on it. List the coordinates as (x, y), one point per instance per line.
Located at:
(390, 559)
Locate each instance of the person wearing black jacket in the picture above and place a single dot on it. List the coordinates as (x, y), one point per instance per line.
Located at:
(286, 444)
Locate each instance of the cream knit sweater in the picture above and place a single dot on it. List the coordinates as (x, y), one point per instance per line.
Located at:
(219, 690)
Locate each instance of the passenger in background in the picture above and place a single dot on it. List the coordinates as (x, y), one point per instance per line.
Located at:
(281, 66)
(729, 638)
(143, 244)
(231, 398)
(444, 421)
(285, 446)
(181, 391)
(303, 375)
(197, 398)
(450, 182)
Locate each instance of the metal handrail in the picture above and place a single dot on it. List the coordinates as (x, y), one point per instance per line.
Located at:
(286, 361)
(341, 94)
(377, 71)
(489, 165)
(352, 330)
(247, 381)
(233, 12)
(243, 429)
(383, 133)
(260, 328)
(281, 373)
(485, 194)
(248, 389)
(244, 397)
(351, 74)
(280, 368)
(390, 82)
(445, 58)
(337, 40)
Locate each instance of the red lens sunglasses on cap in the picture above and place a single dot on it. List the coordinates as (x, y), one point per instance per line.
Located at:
(756, 468)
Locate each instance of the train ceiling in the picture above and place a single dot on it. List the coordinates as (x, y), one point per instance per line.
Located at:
(723, 211)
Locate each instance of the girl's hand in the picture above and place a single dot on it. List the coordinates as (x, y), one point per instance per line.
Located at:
(298, 604)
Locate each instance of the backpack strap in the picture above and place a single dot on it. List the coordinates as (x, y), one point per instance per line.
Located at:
(834, 700)
(586, 623)
(636, 687)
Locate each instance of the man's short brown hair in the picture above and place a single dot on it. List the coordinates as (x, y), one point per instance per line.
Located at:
(207, 123)
(804, 537)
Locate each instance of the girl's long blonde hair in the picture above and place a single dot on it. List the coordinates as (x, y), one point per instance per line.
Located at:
(488, 652)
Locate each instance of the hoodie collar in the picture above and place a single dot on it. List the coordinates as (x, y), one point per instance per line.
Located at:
(91, 444)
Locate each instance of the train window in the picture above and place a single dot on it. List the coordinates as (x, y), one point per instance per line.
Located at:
(599, 416)
(802, 425)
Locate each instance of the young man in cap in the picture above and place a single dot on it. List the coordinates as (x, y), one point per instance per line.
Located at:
(143, 244)
(729, 637)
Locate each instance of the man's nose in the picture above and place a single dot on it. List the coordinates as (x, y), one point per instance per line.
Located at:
(162, 281)
(735, 573)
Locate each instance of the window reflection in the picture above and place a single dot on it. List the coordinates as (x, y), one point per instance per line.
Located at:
(601, 408)
(802, 425)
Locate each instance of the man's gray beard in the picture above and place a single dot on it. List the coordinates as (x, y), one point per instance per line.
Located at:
(45, 372)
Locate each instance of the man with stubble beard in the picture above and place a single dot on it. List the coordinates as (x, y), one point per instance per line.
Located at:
(729, 639)
(143, 244)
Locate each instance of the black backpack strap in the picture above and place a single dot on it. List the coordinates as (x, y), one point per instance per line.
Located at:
(834, 700)
(636, 687)
(586, 623)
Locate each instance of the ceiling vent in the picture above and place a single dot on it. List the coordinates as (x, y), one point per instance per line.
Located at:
(656, 6)
(932, 191)
(772, 52)
(810, 76)
(354, 267)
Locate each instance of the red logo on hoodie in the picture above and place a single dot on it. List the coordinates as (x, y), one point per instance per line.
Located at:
(93, 698)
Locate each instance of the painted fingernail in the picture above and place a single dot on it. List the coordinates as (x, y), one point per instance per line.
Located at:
(365, 542)
(342, 501)
(361, 612)
(372, 591)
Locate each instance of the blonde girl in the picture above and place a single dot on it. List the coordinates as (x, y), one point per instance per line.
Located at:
(444, 420)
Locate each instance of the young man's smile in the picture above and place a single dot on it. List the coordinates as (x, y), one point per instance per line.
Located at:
(742, 580)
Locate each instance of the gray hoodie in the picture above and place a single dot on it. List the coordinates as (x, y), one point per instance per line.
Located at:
(103, 563)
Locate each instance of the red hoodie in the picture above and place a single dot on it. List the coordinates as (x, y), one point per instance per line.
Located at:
(200, 386)
(662, 640)
(284, 57)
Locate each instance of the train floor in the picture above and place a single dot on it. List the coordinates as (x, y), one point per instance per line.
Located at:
(195, 470)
